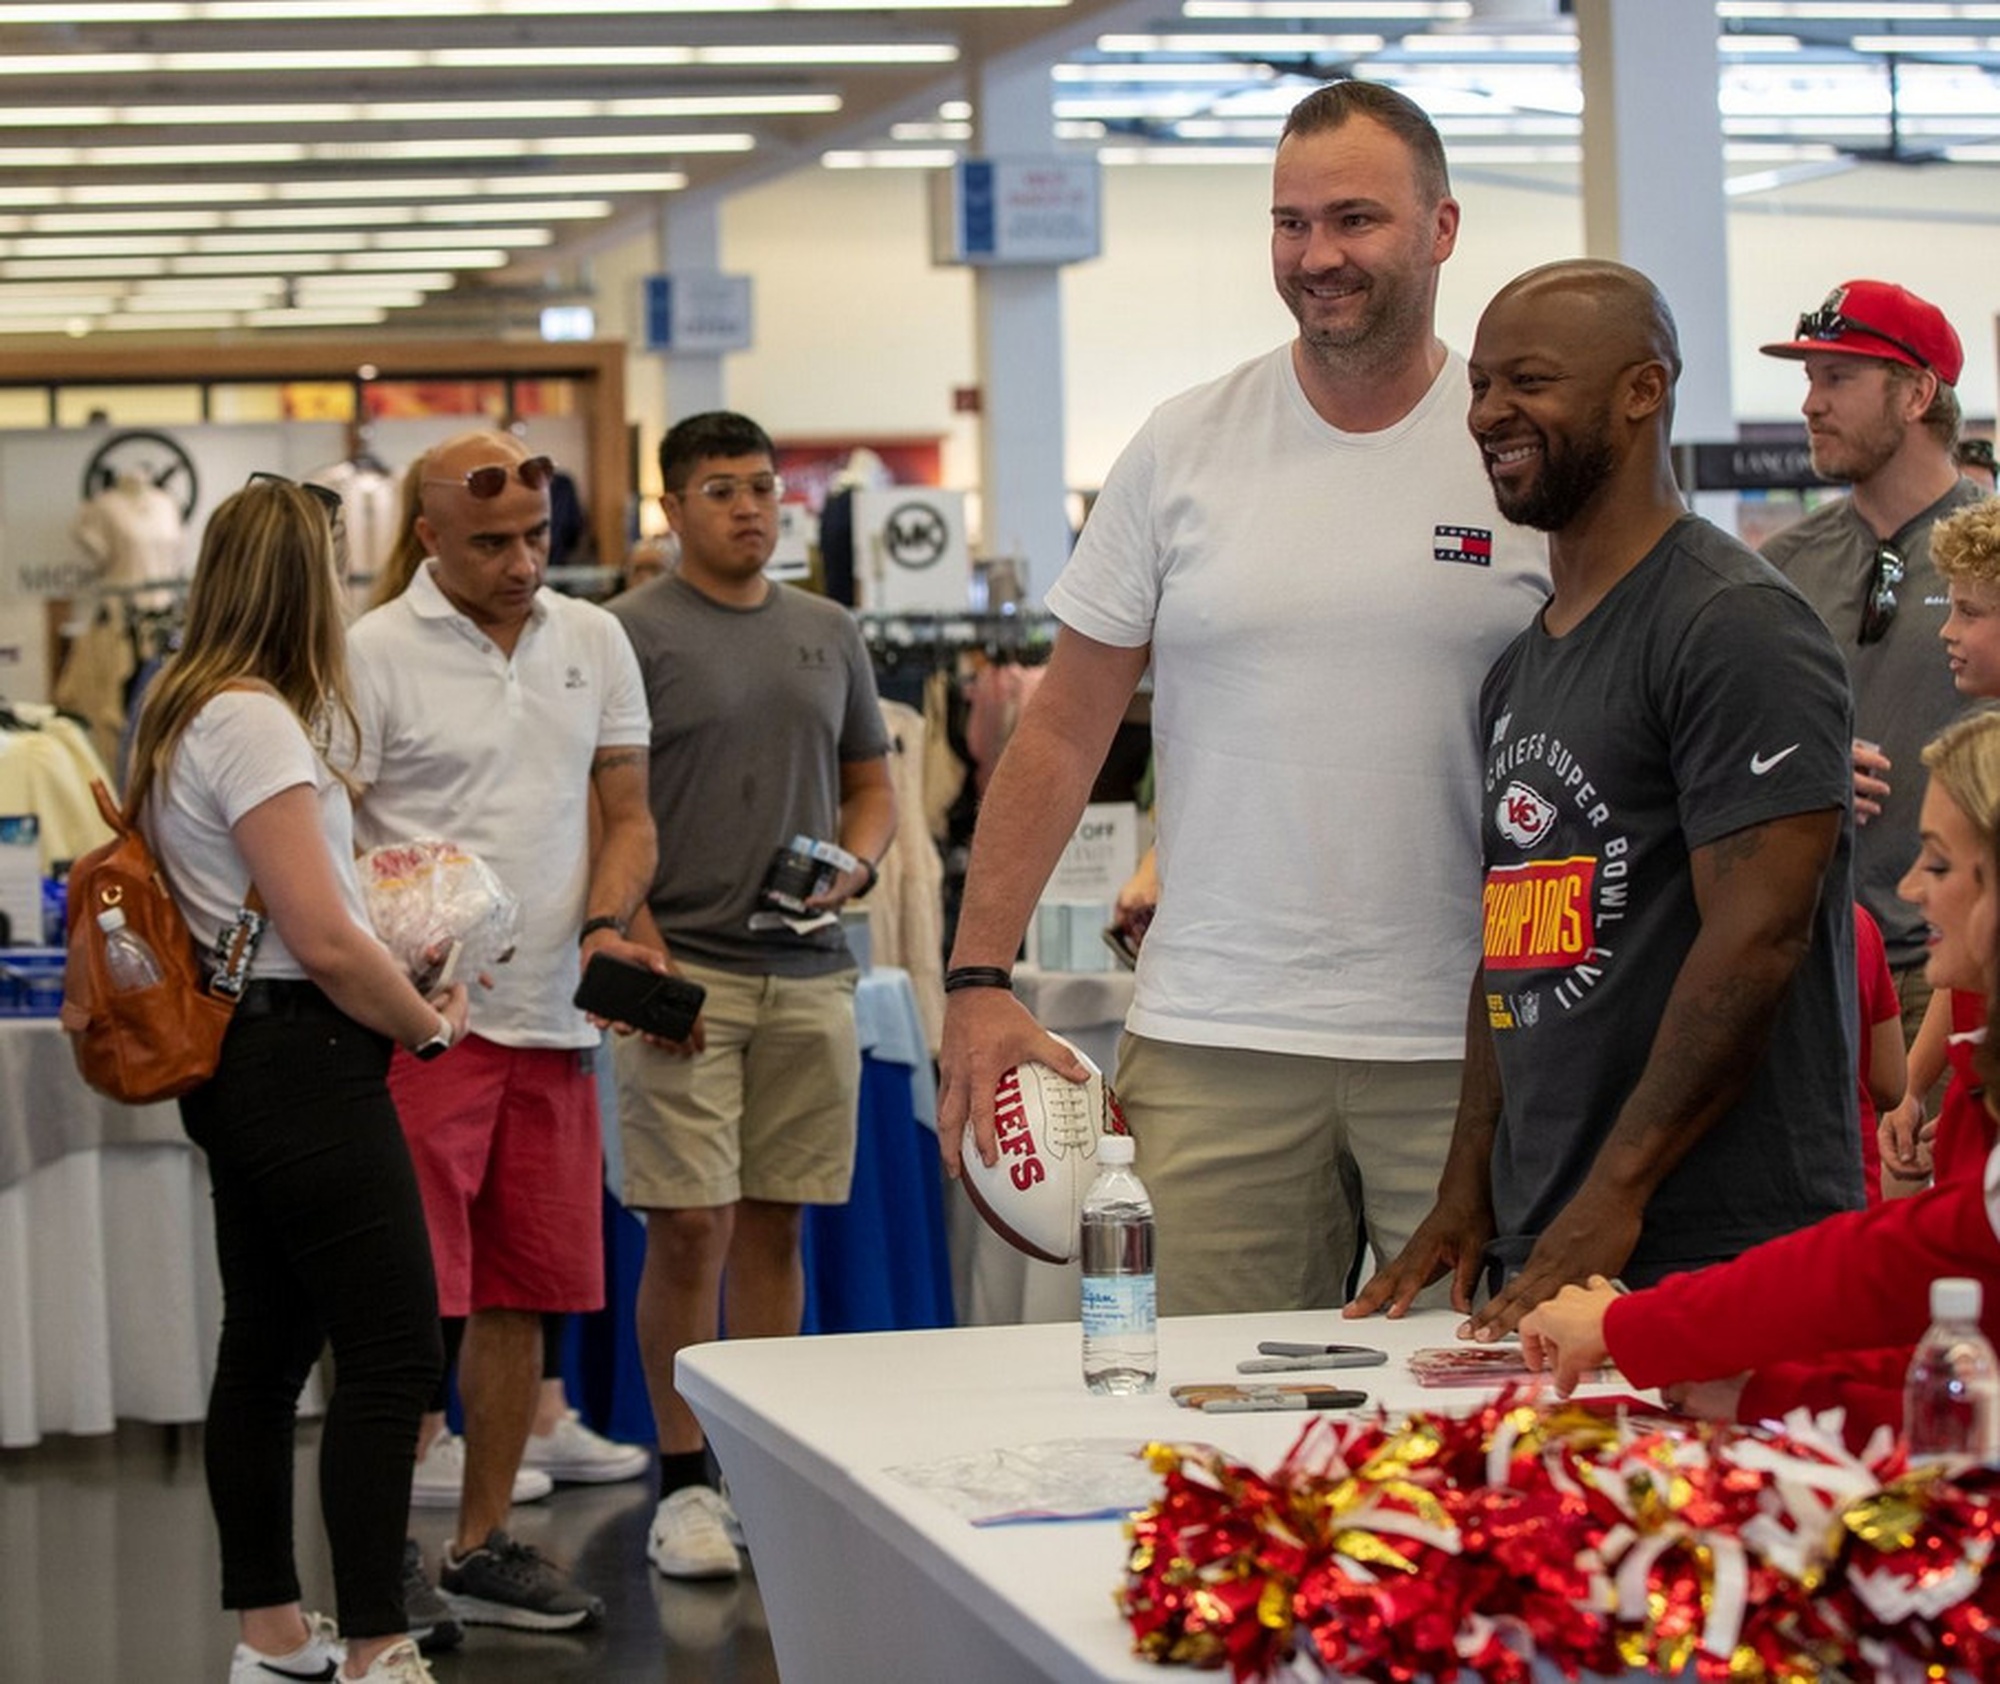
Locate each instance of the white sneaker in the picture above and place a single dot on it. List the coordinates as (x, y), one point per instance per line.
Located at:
(400, 1663)
(689, 1538)
(319, 1657)
(572, 1454)
(439, 1477)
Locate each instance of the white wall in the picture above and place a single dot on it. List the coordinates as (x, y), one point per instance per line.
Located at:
(857, 333)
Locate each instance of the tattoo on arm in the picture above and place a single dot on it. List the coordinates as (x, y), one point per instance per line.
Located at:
(610, 759)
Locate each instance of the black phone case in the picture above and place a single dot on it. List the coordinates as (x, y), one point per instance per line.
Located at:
(621, 992)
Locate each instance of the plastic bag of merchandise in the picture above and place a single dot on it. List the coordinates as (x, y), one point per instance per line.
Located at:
(441, 910)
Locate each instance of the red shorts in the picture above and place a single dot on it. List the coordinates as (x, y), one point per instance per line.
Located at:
(510, 1159)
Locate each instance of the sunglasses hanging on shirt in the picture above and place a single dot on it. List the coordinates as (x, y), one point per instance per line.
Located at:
(1878, 607)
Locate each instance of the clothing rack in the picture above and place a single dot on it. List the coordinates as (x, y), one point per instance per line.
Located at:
(1025, 635)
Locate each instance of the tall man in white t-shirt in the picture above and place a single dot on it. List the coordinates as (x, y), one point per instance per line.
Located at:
(497, 713)
(1307, 553)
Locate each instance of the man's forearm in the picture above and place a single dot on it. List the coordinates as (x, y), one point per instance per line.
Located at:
(1756, 891)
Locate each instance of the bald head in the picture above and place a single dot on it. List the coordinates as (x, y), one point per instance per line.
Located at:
(1627, 314)
(485, 518)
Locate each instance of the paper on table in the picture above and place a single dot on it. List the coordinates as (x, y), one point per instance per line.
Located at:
(1061, 1479)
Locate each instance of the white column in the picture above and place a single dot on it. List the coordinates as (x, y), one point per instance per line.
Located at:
(691, 239)
(1652, 178)
(1020, 351)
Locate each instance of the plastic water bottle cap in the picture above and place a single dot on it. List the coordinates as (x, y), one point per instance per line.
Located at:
(1954, 1298)
(1115, 1149)
(111, 918)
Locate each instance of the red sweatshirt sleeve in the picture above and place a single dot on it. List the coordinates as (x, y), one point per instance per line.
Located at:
(1868, 1385)
(1853, 1282)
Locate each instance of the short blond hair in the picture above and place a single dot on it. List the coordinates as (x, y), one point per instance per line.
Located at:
(1965, 547)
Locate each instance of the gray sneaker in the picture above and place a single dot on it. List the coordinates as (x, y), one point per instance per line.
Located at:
(431, 1621)
(503, 1583)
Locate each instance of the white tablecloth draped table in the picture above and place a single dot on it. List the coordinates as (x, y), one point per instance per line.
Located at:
(109, 1301)
(865, 1575)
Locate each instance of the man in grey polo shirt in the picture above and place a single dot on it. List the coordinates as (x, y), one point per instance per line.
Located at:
(1882, 418)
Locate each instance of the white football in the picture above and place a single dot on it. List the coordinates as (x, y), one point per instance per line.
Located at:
(1048, 1128)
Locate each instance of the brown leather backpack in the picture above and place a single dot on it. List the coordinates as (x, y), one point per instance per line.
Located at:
(153, 1043)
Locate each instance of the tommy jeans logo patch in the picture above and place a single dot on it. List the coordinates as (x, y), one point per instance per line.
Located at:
(1470, 544)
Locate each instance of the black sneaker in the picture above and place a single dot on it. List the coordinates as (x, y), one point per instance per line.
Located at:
(503, 1583)
(431, 1621)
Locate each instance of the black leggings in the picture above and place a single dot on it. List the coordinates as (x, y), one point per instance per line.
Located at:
(319, 1231)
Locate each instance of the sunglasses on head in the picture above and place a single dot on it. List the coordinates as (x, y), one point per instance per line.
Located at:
(324, 495)
(488, 481)
(1828, 323)
(1878, 608)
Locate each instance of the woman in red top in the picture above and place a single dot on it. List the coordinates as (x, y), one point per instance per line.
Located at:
(1758, 1336)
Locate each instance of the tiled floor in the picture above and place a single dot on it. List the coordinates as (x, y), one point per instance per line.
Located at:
(108, 1576)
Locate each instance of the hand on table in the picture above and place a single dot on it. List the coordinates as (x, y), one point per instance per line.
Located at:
(1589, 1237)
(1564, 1337)
(1452, 1238)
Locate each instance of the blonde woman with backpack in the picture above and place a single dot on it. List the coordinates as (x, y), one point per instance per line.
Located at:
(319, 1229)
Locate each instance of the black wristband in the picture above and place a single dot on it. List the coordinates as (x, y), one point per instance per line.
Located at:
(874, 876)
(592, 925)
(978, 976)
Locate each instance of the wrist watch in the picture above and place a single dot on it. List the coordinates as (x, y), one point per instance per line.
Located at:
(438, 1045)
(592, 925)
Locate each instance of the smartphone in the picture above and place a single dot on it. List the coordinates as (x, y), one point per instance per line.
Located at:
(621, 992)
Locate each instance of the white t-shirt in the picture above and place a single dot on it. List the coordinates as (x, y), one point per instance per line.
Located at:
(460, 740)
(1321, 607)
(244, 747)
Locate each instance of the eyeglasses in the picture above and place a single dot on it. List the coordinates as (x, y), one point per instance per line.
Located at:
(1828, 323)
(723, 489)
(324, 495)
(489, 481)
(1878, 608)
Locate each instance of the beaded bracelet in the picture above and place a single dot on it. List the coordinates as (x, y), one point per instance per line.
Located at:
(977, 976)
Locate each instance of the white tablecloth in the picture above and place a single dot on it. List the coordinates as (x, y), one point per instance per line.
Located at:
(109, 1301)
(865, 1575)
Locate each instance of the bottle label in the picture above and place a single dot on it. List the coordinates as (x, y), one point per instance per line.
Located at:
(1114, 1304)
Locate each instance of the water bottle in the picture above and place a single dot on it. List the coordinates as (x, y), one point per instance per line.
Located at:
(126, 956)
(1121, 1345)
(1951, 1399)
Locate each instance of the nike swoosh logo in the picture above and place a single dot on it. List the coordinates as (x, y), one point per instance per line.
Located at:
(1762, 763)
(318, 1675)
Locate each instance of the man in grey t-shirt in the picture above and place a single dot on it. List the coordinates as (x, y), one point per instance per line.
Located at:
(1882, 419)
(1659, 1052)
(765, 728)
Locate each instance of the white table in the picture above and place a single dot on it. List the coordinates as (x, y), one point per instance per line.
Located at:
(865, 1576)
(109, 1299)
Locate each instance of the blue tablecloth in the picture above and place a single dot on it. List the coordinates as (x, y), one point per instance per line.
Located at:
(874, 1264)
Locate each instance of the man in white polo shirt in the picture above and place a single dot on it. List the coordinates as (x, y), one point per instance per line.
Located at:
(492, 711)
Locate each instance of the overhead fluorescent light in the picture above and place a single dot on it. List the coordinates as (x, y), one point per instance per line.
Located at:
(889, 158)
(1276, 43)
(1419, 11)
(300, 11)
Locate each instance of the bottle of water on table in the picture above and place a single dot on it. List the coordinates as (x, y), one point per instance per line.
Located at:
(1951, 1397)
(1121, 1346)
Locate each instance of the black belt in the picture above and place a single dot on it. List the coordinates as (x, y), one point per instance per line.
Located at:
(283, 997)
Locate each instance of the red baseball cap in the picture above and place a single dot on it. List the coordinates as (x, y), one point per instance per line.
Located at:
(1879, 319)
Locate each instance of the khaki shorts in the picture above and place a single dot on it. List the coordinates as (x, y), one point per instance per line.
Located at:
(1262, 1166)
(766, 1112)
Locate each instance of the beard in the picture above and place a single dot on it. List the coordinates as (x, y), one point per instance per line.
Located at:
(1856, 453)
(1395, 317)
(1570, 477)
